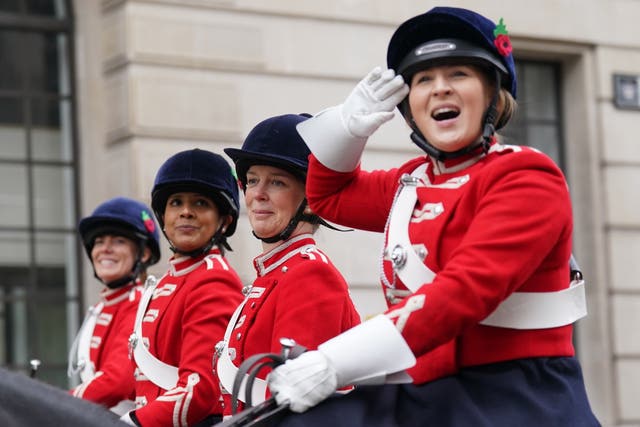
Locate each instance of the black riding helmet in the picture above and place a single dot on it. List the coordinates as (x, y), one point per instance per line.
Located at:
(125, 217)
(203, 172)
(276, 142)
(447, 33)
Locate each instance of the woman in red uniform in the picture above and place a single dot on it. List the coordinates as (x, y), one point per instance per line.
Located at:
(122, 240)
(183, 315)
(298, 292)
(476, 259)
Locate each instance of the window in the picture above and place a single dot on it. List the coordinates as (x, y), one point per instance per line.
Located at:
(39, 272)
(538, 121)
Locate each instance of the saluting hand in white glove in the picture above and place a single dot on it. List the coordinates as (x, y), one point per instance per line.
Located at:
(303, 382)
(337, 136)
(372, 101)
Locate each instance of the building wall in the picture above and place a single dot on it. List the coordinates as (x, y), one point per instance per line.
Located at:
(158, 76)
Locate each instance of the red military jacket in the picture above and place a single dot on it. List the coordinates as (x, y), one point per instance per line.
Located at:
(186, 317)
(298, 294)
(113, 380)
(489, 225)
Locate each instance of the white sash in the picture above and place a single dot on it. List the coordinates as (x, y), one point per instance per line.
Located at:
(406, 262)
(161, 374)
(79, 354)
(225, 368)
(123, 407)
(521, 310)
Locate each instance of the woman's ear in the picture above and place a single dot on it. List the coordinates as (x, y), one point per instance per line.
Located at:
(226, 221)
(146, 255)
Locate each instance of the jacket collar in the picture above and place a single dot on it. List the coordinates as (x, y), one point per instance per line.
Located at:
(441, 167)
(272, 259)
(180, 265)
(114, 296)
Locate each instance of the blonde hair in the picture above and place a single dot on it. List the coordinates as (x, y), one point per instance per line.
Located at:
(506, 107)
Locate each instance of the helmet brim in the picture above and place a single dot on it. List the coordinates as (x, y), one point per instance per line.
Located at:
(92, 227)
(449, 23)
(244, 159)
(446, 49)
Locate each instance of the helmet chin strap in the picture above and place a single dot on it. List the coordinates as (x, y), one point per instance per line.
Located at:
(118, 283)
(138, 265)
(488, 129)
(216, 240)
(291, 226)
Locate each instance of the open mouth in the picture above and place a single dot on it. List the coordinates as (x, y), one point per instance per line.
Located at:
(445, 113)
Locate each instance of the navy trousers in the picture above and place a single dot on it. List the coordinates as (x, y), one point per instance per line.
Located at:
(534, 392)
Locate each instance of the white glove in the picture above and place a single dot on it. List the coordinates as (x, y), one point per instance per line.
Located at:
(126, 418)
(371, 103)
(337, 135)
(303, 382)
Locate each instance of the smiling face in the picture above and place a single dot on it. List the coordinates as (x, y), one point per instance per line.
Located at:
(191, 220)
(114, 256)
(272, 198)
(448, 102)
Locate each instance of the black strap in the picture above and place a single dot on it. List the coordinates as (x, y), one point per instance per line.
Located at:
(250, 368)
(291, 226)
(267, 411)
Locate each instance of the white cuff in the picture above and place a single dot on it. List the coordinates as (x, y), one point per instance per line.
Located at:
(370, 353)
(126, 418)
(330, 141)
